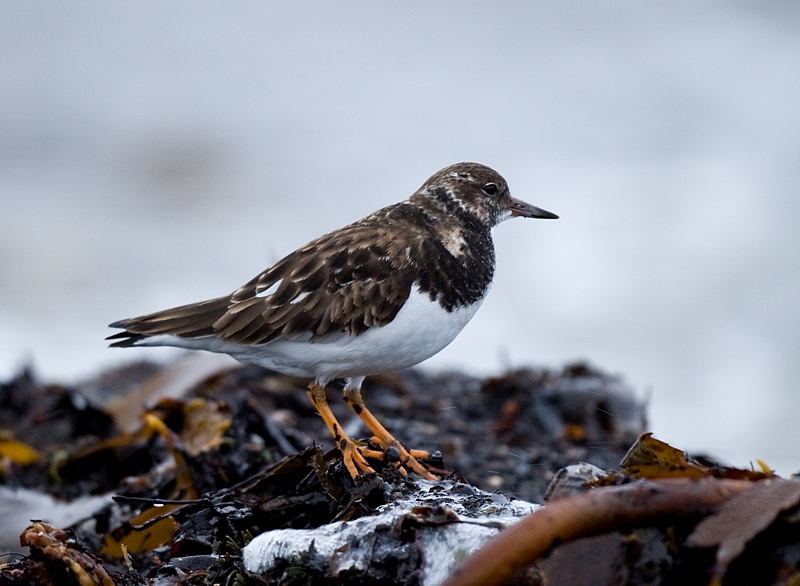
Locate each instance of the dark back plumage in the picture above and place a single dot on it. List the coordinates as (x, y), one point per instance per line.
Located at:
(361, 275)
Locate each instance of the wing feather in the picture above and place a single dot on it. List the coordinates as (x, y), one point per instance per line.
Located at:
(344, 282)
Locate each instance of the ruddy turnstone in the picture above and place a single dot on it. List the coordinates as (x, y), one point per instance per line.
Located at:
(382, 294)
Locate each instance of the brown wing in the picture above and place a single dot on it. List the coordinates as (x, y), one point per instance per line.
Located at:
(345, 281)
(189, 321)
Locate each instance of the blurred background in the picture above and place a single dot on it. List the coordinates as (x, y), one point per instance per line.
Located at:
(159, 153)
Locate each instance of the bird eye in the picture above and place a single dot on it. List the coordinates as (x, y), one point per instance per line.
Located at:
(490, 189)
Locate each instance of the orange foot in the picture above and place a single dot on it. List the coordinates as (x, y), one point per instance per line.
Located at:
(353, 458)
(382, 438)
(393, 450)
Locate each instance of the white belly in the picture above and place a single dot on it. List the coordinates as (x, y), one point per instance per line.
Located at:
(420, 330)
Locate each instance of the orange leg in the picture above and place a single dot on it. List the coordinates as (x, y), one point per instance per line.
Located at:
(408, 458)
(353, 460)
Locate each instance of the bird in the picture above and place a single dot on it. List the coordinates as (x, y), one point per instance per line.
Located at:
(381, 294)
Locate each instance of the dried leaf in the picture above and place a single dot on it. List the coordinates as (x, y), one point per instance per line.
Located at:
(743, 517)
(184, 484)
(55, 546)
(321, 470)
(18, 452)
(174, 381)
(148, 530)
(652, 458)
(204, 423)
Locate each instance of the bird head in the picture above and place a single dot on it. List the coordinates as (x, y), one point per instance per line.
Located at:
(471, 190)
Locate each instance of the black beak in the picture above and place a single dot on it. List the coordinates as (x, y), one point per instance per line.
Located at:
(526, 210)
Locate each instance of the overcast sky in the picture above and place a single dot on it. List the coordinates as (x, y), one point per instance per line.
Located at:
(159, 153)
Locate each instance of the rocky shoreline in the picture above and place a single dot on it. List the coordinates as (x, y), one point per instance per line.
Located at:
(186, 473)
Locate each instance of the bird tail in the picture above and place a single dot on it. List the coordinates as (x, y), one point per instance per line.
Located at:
(187, 321)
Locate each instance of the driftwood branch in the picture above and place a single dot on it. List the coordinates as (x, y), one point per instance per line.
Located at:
(595, 512)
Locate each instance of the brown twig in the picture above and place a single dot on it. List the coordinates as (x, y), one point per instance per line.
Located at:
(592, 513)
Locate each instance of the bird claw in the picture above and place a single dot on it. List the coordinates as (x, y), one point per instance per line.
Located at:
(353, 460)
(404, 460)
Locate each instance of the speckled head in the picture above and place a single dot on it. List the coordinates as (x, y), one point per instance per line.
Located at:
(476, 191)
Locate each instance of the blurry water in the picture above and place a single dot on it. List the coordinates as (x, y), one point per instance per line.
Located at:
(158, 154)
